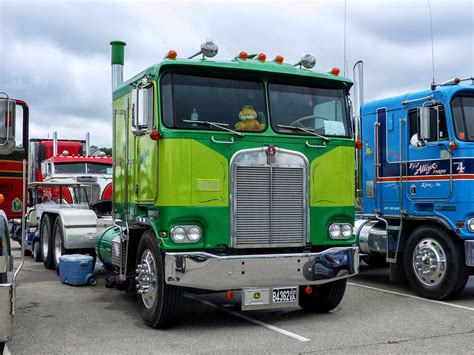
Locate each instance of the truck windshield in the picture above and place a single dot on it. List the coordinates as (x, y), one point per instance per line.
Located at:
(82, 168)
(97, 168)
(236, 103)
(323, 111)
(70, 168)
(463, 114)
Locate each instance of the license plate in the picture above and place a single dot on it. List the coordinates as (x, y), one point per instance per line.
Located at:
(267, 298)
(284, 295)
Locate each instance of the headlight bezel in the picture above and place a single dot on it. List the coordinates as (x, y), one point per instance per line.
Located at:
(469, 222)
(186, 228)
(340, 231)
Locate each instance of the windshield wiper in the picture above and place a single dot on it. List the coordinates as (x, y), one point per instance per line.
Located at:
(307, 130)
(222, 126)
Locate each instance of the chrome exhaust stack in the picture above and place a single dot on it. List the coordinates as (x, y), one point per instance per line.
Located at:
(118, 54)
(55, 144)
(88, 145)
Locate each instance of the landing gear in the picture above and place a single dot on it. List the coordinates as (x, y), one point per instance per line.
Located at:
(158, 302)
(323, 298)
(434, 264)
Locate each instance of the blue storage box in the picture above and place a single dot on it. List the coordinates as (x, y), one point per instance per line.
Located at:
(76, 269)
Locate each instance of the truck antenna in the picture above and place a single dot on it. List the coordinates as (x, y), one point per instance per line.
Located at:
(433, 83)
(345, 37)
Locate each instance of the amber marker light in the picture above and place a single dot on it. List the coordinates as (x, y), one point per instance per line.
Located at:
(335, 71)
(162, 234)
(155, 135)
(243, 55)
(229, 295)
(172, 54)
(279, 59)
(453, 145)
(460, 224)
(2, 199)
(457, 80)
(358, 144)
(261, 57)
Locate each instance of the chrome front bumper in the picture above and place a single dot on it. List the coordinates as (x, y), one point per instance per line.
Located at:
(220, 273)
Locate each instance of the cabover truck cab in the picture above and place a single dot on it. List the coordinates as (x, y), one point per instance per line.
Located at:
(231, 176)
(417, 187)
(13, 143)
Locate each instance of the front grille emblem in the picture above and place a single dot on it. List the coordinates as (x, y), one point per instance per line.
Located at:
(270, 152)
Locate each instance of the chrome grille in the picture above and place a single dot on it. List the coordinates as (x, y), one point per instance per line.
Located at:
(93, 192)
(269, 204)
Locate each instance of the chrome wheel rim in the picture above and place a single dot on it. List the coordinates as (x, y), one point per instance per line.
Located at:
(57, 245)
(146, 278)
(44, 241)
(429, 262)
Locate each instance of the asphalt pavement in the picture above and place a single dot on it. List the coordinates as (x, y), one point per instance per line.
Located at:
(375, 317)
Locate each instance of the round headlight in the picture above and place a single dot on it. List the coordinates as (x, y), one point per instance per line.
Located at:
(194, 233)
(470, 225)
(178, 234)
(334, 231)
(346, 230)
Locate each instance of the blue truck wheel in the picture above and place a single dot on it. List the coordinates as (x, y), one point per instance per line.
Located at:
(435, 263)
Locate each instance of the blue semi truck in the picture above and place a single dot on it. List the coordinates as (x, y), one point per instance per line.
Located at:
(416, 186)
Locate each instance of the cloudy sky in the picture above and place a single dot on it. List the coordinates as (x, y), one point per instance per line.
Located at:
(56, 55)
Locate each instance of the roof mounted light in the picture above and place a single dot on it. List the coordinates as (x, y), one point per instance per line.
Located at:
(307, 61)
(335, 71)
(261, 57)
(243, 55)
(171, 54)
(209, 49)
(279, 59)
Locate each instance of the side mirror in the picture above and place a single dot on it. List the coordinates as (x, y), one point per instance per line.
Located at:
(424, 114)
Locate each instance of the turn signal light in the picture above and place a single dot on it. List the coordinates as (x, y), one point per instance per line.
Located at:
(453, 145)
(172, 54)
(279, 59)
(155, 135)
(335, 71)
(460, 224)
(358, 144)
(229, 295)
(261, 57)
(243, 55)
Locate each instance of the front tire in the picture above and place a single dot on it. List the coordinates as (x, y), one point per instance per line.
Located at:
(58, 243)
(158, 302)
(324, 298)
(435, 264)
(45, 240)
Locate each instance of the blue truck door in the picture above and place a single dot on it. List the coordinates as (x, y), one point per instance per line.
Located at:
(429, 176)
(389, 135)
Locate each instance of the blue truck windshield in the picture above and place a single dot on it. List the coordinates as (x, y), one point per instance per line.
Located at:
(321, 110)
(463, 114)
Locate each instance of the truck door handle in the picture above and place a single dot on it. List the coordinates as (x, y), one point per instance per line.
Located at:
(213, 140)
(413, 190)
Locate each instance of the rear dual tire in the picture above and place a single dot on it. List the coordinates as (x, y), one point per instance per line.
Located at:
(45, 241)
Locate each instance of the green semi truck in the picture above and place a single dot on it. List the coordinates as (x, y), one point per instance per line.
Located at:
(232, 176)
